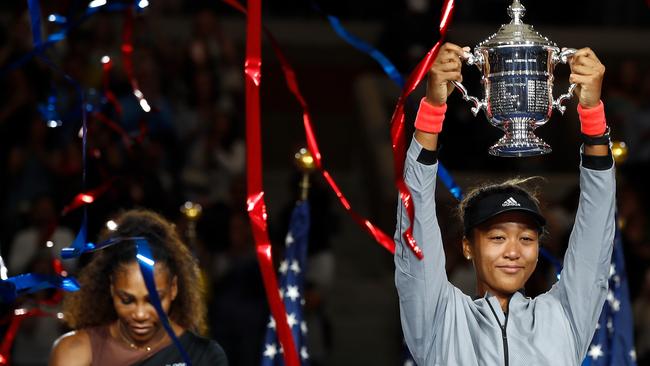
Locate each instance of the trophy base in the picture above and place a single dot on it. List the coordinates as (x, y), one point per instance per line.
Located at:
(510, 148)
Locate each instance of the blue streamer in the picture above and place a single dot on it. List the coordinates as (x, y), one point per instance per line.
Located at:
(58, 36)
(389, 67)
(146, 262)
(29, 283)
(449, 182)
(392, 72)
(12, 287)
(79, 245)
(35, 15)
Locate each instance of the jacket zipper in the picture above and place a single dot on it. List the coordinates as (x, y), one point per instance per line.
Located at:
(504, 336)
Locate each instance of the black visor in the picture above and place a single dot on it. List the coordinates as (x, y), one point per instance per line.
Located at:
(498, 203)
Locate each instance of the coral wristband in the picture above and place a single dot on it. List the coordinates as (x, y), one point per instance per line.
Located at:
(592, 120)
(430, 117)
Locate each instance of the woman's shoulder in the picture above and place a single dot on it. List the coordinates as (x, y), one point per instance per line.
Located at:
(72, 348)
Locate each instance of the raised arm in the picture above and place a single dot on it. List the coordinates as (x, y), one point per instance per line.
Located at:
(422, 285)
(583, 285)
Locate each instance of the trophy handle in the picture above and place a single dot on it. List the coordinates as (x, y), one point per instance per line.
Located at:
(471, 59)
(563, 57)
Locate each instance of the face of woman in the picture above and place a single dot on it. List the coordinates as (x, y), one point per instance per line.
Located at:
(504, 251)
(138, 321)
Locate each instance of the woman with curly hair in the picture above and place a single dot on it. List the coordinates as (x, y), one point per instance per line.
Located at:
(114, 321)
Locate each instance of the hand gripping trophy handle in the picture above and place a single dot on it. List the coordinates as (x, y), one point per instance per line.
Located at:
(563, 57)
(472, 59)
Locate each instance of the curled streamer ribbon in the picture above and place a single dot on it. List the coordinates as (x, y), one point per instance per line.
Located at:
(80, 245)
(255, 195)
(392, 72)
(12, 287)
(312, 143)
(76, 248)
(397, 124)
(86, 198)
(397, 121)
(29, 283)
(126, 138)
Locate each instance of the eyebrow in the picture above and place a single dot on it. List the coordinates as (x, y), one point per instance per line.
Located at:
(123, 293)
(501, 226)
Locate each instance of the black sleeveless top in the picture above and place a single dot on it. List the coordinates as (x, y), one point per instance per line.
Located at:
(106, 351)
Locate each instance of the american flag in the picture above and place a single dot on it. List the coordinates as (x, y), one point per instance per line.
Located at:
(292, 271)
(613, 342)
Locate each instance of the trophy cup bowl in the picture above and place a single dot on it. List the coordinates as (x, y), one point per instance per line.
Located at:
(517, 66)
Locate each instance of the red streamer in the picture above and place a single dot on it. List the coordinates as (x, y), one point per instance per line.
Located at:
(126, 138)
(86, 198)
(255, 200)
(312, 143)
(397, 124)
(107, 65)
(10, 335)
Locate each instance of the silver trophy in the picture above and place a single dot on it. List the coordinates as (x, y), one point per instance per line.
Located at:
(517, 64)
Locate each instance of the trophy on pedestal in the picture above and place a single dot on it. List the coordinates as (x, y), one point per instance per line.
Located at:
(517, 64)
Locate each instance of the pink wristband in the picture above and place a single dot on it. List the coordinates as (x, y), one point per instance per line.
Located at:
(592, 120)
(430, 117)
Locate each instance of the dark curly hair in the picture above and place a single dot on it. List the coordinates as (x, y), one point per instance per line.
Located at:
(515, 185)
(93, 304)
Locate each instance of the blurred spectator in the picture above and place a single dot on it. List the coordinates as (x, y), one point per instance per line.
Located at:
(42, 238)
(29, 170)
(634, 218)
(238, 313)
(215, 158)
(637, 129)
(628, 109)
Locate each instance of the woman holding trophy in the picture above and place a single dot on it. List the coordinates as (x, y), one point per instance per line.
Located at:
(502, 228)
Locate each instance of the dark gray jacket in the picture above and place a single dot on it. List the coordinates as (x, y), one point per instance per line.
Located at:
(443, 326)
